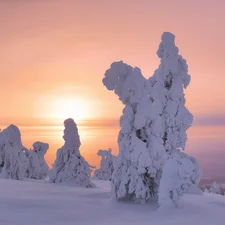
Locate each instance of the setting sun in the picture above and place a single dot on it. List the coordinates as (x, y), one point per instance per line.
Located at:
(63, 108)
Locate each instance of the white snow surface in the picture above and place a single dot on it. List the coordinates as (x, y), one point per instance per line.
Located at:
(39, 202)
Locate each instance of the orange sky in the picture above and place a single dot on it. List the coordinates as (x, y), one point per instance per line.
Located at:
(51, 51)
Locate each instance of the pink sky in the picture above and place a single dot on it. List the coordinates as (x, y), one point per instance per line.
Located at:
(55, 50)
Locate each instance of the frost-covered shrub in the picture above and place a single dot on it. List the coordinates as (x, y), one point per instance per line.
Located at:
(38, 168)
(13, 161)
(70, 167)
(107, 165)
(215, 188)
(180, 172)
(141, 151)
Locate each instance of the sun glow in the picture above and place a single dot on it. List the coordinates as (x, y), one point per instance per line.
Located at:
(64, 108)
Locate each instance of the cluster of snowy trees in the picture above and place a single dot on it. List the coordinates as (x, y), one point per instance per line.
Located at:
(17, 162)
(214, 189)
(150, 163)
(107, 165)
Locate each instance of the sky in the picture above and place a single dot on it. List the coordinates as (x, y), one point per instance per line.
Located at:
(53, 55)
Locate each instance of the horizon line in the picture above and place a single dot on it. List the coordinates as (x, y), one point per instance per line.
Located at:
(207, 120)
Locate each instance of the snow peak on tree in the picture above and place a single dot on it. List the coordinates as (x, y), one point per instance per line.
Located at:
(13, 161)
(107, 165)
(141, 151)
(167, 89)
(167, 86)
(69, 166)
(179, 174)
(38, 168)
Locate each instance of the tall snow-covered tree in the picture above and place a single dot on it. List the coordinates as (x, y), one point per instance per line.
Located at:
(13, 161)
(141, 151)
(154, 121)
(38, 168)
(107, 165)
(70, 167)
(180, 172)
(167, 91)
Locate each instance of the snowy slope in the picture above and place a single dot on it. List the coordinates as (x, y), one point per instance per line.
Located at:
(39, 202)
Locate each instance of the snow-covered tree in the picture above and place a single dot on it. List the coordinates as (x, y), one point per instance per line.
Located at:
(167, 91)
(107, 165)
(154, 121)
(13, 161)
(38, 168)
(180, 172)
(70, 167)
(206, 190)
(141, 151)
(215, 188)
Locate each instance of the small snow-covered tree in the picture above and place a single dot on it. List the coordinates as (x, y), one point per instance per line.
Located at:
(141, 151)
(179, 174)
(215, 188)
(38, 168)
(107, 165)
(206, 190)
(167, 91)
(70, 167)
(13, 161)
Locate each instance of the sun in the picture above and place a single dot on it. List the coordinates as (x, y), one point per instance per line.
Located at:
(66, 107)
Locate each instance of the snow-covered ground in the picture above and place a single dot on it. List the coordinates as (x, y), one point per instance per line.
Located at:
(43, 203)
